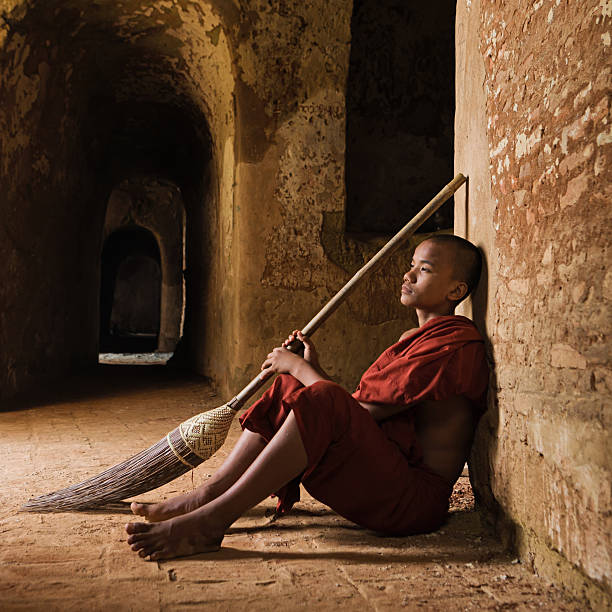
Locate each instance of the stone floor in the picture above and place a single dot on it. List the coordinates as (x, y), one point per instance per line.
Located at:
(311, 560)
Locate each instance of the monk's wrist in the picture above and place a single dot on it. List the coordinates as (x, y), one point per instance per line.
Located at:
(306, 373)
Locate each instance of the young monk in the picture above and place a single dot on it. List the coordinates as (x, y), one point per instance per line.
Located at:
(385, 457)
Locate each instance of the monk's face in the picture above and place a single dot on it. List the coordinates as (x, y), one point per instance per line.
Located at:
(429, 284)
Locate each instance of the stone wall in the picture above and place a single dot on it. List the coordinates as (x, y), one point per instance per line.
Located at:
(533, 133)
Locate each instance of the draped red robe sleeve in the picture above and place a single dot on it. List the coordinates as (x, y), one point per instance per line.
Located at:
(372, 473)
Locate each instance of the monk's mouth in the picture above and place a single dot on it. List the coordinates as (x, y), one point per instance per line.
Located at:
(407, 290)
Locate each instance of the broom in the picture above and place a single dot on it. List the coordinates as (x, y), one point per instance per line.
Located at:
(199, 437)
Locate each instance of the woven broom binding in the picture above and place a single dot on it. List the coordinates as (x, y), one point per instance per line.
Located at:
(204, 433)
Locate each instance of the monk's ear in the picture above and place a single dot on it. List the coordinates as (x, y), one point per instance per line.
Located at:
(458, 291)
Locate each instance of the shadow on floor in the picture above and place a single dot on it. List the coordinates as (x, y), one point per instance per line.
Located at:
(102, 381)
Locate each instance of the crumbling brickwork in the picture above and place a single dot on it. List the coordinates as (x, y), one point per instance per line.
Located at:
(543, 451)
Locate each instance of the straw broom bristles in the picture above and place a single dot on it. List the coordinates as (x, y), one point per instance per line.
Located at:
(184, 448)
(196, 439)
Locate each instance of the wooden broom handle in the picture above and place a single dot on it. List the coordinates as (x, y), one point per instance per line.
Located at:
(386, 251)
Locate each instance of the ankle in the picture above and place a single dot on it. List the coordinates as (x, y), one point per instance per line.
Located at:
(216, 520)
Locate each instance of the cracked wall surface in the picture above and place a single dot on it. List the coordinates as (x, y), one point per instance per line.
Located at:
(533, 132)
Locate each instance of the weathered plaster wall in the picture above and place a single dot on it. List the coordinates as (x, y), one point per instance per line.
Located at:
(42, 168)
(533, 87)
(291, 252)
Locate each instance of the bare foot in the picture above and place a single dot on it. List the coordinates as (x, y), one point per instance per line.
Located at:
(178, 537)
(176, 506)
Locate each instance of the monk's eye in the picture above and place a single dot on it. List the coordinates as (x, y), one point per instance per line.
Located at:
(423, 269)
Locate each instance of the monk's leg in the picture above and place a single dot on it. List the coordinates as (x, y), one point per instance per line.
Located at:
(245, 451)
(202, 530)
(262, 421)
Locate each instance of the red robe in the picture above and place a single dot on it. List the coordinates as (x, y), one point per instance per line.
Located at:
(372, 473)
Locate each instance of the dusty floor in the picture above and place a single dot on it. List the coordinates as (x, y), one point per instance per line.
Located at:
(311, 559)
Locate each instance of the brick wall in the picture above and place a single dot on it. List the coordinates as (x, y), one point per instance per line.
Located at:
(534, 82)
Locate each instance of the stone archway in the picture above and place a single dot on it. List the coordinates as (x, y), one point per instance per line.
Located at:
(158, 206)
(130, 292)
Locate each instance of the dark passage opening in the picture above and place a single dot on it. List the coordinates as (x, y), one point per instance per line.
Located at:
(130, 292)
(400, 113)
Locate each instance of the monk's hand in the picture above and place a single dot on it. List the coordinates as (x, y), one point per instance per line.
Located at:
(280, 361)
(310, 353)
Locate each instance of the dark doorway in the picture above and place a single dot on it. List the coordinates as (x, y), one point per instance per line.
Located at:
(130, 292)
(400, 113)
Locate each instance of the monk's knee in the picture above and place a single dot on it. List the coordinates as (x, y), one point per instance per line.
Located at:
(329, 400)
(285, 384)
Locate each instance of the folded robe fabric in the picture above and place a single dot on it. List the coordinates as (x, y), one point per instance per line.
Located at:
(372, 473)
(443, 358)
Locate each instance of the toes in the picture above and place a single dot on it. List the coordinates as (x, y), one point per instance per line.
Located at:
(138, 537)
(137, 542)
(137, 509)
(137, 527)
(156, 556)
(149, 550)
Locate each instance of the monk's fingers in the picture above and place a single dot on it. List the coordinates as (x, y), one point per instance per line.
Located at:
(266, 373)
(268, 361)
(275, 352)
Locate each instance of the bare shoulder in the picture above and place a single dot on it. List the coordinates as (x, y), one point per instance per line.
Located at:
(408, 333)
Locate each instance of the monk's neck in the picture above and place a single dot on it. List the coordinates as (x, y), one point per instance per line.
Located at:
(426, 316)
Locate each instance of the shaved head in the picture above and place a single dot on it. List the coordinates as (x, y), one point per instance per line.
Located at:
(467, 258)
